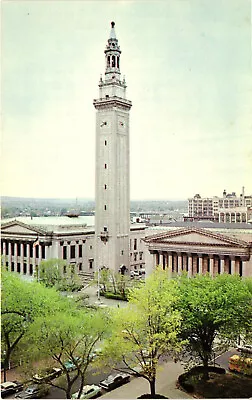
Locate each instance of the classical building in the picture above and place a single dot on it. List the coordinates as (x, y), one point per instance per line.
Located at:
(219, 208)
(220, 248)
(25, 245)
(112, 212)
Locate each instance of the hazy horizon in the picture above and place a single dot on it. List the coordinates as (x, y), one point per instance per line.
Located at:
(188, 70)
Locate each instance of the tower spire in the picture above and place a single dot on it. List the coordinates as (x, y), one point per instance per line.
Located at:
(112, 56)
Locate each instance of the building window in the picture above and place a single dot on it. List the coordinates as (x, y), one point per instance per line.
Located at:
(72, 251)
(31, 269)
(105, 186)
(105, 207)
(12, 266)
(80, 250)
(90, 264)
(80, 266)
(18, 249)
(18, 268)
(25, 268)
(105, 166)
(135, 244)
(25, 249)
(140, 256)
(7, 266)
(122, 252)
(6, 248)
(135, 256)
(105, 142)
(12, 249)
(64, 252)
(90, 247)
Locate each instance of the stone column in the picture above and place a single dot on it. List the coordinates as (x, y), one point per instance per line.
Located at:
(222, 265)
(4, 252)
(233, 266)
(190, 265)
(170, 261)
(15, 257)
(200, 263)
(22, 258)
(211, 265)
(179, 263)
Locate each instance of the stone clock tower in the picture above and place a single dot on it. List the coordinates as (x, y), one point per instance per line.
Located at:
(112, 212)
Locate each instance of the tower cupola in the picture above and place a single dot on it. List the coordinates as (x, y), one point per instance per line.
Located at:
(112, 57)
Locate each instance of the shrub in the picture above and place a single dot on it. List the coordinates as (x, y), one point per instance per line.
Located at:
(117, 296)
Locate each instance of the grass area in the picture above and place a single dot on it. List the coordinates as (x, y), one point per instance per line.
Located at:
(226, 386)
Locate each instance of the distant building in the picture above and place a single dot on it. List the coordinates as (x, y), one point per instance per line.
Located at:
(228, 208)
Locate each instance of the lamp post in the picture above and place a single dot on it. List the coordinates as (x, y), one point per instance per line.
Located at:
(98, 281)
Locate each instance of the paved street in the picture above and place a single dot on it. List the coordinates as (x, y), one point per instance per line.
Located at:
(166, 377)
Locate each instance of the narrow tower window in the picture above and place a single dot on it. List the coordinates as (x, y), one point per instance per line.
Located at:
(113, 61)
(105, 186)
(105, 207)
(105, 142)
(105, 166)
(108, 61)
(117, 62)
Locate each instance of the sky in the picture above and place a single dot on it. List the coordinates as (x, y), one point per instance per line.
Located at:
(187, 65)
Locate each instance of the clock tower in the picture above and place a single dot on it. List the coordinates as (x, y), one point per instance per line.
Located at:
(112, 210)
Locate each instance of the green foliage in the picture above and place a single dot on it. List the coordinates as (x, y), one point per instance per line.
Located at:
(68, 336)
(146, 329)
(113, 282)
(22, 303)
(213, 309)
(57, 273)
(118, 296)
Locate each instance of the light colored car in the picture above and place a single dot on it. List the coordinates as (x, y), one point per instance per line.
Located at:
(10, 388)
(88, 392)
(47, 375)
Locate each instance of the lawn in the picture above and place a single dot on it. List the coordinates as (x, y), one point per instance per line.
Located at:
(225, 386)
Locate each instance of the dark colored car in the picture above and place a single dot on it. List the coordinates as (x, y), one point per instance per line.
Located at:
(113, 381)
(33, 392)
(10, 388)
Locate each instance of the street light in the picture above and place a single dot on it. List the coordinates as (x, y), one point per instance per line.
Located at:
(98, 281)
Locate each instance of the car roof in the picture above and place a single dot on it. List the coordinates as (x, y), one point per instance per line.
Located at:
(6, 384)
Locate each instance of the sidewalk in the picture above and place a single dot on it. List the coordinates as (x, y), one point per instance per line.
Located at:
(166, 385)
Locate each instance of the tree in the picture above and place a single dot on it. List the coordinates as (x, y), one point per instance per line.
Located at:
(214, 311)
(22, 302)
(57, 273)
(146, 329)
(72, 336)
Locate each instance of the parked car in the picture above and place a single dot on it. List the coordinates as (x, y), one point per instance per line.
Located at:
(88, 392)
(47, 375)
(113, 381)
(10, 388)
(69, 365)
(33, 392)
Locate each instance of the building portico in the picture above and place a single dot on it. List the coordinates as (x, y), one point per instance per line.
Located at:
(197, 251)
